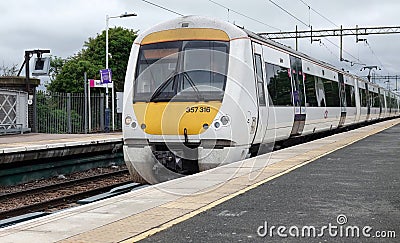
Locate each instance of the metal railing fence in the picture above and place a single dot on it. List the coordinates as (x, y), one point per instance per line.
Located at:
(66, 113)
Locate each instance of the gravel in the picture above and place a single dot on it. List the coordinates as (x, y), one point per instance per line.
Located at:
(59, 178)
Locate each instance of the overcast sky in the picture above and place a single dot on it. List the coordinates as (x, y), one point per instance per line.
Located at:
(63, 25)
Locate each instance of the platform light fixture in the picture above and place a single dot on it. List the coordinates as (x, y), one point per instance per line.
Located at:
(107, 110)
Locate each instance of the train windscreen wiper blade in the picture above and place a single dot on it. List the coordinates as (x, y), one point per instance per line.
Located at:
(193, 85)
(159, 90)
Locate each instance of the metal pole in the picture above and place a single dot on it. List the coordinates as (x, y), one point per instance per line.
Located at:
(31, 122)
(35, 120)
(297, 43)
(27, 57)
(369, 75)
(86, 101)
(69, 113)
(107, 110)
(356, 33)
(341, 43)
(101, 111)
(107, 19)
(113, 106)
(90, 109)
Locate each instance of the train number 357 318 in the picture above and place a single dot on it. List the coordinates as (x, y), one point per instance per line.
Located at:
(195, 109)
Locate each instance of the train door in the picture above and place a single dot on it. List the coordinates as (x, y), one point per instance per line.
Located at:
(368, 101)
(298, 95)
(343, 103)
(259, 72)
(380, 99)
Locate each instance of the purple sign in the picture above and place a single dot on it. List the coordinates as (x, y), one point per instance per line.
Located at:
(105, 75)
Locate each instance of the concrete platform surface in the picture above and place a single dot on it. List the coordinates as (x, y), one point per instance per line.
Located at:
(163, 211)
(353, 192)
(35, 141)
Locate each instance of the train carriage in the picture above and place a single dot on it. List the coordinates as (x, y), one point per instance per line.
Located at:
(200, 92)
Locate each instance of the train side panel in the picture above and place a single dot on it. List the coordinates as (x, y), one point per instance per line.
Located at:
(280, 107)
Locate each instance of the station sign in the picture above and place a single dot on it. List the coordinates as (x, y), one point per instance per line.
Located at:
(105, 75)
(96, 83)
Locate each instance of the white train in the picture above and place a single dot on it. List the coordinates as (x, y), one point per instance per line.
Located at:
(200, 92)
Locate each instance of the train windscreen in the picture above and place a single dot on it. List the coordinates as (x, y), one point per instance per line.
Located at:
(181, 71)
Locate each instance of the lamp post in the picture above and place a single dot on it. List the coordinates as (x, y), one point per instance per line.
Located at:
(107, 110)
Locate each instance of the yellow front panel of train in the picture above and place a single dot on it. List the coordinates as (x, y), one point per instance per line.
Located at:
(171, 118)
(185, 34)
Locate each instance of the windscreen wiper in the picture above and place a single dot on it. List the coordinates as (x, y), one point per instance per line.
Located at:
(160, 88)
(193, 85)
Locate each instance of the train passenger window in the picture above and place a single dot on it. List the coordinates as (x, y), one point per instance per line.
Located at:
(320, 92)
(260, 80)
(381, 100)
(350, 96)
(331, 93)
(279, 85)
(378, 101)
(311, 95)
(375, 100)
(297, 81)
(342, 95)
(371, 99)
(363, 97)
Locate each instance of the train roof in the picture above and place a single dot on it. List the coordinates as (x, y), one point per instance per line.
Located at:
(193, 21)
(234, 32)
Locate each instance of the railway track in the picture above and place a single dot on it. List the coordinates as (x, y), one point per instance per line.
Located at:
(59, 195)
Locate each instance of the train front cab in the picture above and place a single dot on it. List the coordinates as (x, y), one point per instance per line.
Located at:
(177, 123)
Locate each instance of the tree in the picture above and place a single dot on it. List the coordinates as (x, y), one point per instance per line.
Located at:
(56, 64)
(91, 59)
(9, 71)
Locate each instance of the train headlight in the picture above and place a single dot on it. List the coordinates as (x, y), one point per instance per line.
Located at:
(143, 126)
(225, 120)
(128, 120)
(134, 125)
(217, 124)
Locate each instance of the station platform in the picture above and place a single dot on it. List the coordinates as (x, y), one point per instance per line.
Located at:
(34, 146)
(348, 179)
(30, 141)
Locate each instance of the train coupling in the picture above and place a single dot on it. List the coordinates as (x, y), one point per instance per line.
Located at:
(175, 163)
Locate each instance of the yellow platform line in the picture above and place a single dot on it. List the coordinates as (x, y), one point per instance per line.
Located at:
(175, 221)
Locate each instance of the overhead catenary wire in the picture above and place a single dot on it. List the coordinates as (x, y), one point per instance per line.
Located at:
(373, 53)
(286, 11)
(315, 11)
(330, 21)
(244, 15)
(283, 9)
(348, 53)
(159, 6)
